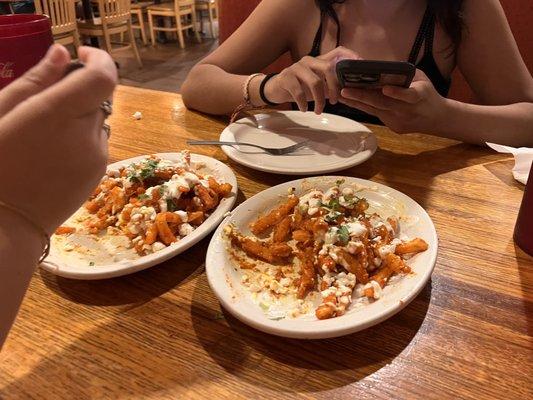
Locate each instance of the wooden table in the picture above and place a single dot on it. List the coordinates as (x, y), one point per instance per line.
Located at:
(161, 334)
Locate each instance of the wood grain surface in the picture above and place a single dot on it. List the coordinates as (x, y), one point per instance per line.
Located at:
(161, 333)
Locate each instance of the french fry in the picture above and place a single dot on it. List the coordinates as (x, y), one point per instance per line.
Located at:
(282, 231)
(355, 267)
(302, 236)
(327, 309)
(414, 246)
(391, 264)
(65, 230)
(274, 217)
(308, 276)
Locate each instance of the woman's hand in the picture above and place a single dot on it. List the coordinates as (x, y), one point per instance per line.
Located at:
(419, 108)
(310, 79)
(54, 150)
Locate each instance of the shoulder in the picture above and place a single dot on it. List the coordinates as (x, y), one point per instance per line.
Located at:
(482, 12)
(289, 9)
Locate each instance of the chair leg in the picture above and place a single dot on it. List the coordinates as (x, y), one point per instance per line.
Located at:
(76, 40)
(194, 27)
(107, 40)
(143, 31)
(151, 27)
(134, 45)
(211, 24)
(180, 32)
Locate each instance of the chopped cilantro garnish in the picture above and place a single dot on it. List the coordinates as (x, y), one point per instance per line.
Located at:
(340, 182)
(91, 264)
(332, 204)
(344, 234)
(332, 216)
(162, 189)
(147, 171)
(143, 196)
(171, 206)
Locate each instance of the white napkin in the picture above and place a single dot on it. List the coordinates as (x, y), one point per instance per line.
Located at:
(523, 158)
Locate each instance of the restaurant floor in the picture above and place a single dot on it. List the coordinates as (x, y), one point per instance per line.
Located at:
(165, 66)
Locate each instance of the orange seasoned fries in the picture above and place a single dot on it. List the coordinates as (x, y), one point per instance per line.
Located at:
(153, 202)
(324, 245)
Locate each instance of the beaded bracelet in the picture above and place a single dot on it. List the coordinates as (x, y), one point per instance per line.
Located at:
(247, 103)
(27, 218)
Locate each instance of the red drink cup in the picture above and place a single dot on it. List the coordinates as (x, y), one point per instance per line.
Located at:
(24, 40)
(523, 233)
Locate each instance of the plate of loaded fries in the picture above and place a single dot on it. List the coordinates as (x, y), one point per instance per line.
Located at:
(144, 211)
(321, 257)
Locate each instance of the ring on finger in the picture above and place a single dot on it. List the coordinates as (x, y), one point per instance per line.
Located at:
(107, 108)
(107, 129)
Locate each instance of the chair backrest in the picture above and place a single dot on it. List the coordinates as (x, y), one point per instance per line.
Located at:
(62, 14)
(184, 5)
(114, 11)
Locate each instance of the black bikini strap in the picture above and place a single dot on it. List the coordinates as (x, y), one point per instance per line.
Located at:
(425, 33)
(333, 14)
(315, 50)
(430, 34)
(329, 11)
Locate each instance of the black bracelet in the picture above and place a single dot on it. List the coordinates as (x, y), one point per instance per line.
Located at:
(262, 90)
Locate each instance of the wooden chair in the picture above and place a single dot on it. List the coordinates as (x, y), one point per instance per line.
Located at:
(211, 6)
(175, 11)
(114, 19)
(138, 10)
(62, 15)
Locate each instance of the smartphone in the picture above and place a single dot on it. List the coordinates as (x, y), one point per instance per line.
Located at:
(370, 74)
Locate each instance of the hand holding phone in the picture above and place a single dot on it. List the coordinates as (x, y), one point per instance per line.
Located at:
(371, 74)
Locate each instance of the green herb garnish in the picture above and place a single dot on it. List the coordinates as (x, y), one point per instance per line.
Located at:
(143, 196)
(333, 204)
(332, 216)
(340, 182)
(91, 264)
(171, 206)
(147, 171)
(344, 234)
(162, 189)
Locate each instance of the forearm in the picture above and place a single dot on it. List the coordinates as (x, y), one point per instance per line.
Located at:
(212, 90)
(20, 248)
(508, 124)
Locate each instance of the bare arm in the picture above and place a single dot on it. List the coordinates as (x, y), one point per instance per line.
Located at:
(491, 63)
(489, 59)
(215, 85)
(72, 151)
(20, 247)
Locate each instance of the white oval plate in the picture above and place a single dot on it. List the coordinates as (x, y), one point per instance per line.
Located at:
(55, 264)
(224, 279)
(335, 143)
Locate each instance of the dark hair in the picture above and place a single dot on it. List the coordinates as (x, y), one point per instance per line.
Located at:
(447, 12)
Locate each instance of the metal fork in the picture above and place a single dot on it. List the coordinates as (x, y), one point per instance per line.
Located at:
(269, 150)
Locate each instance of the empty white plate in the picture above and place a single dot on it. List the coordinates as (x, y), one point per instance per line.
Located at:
(59, 264)
(225, 279)
(335, 143)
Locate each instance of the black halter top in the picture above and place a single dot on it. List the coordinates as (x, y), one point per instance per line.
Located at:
(427, 64)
